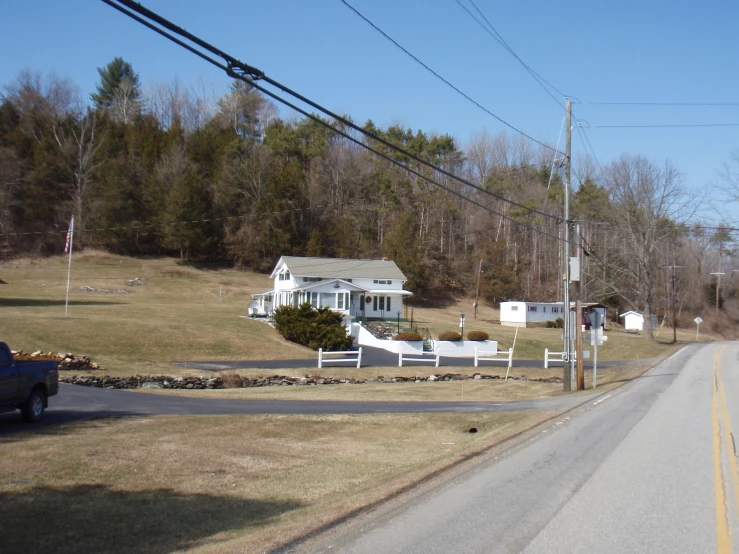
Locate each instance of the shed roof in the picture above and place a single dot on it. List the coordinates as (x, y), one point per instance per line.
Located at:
(342, 268)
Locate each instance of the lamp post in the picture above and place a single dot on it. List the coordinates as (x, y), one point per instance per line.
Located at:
(398, 321)
(461, 324)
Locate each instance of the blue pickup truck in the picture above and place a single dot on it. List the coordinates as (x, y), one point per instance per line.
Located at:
(26, 386)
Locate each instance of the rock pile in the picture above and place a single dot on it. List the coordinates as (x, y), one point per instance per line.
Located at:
(78, 362)
(236, 381)
(381, 329)
(85, 288)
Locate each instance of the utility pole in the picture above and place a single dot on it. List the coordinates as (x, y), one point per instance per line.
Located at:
(673, 281)
(567, 377)
(580, 369)
(477, 294)
(718, 275)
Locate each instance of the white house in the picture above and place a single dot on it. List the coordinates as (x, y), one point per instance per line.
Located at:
(633, 320)
(356, 288)
(532, 314)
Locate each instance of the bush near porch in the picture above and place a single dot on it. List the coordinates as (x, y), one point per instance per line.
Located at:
(313, 327)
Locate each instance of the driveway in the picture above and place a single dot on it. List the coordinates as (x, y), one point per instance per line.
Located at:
(74, 403)
(375, 357)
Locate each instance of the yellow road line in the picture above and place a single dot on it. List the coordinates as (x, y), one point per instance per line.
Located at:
(727, 437)
(723, 538)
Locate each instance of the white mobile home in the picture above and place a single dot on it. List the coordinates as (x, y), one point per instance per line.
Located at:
(534, 314)
(356, 288)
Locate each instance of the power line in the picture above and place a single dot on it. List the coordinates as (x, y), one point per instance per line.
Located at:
(587, 144)
(696, 104)
(150, 226)
(500, 40)
(438, 76)
(238, 70)
(665, 125)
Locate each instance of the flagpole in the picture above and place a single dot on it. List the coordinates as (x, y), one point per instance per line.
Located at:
(69, 269)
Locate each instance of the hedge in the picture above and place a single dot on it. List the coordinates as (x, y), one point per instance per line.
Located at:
(408, 335)
(450, 335)
(477, 335)
(314, 328)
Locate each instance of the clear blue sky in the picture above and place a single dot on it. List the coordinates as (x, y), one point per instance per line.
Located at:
(650, 50)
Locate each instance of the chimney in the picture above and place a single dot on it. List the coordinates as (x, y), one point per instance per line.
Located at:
(384, 259)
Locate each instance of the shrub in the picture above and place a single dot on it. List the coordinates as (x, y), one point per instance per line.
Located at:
(408, 335)
(556, 324)
(477, 335)
(231, 380)
(450, 335)
(314, 328)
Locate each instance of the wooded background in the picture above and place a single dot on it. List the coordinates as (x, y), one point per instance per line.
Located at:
(171, 169)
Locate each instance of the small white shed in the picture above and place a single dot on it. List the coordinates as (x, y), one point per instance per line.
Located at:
(633, 321)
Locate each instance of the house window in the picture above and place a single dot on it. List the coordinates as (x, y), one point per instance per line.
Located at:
(514, 308)
(348, 280)
(312, 279)
(555, 309)
(532, 308)
(382, 282)
(285, 276)
(339, 300)
(388, 304)
(382, 303)
(374, 303)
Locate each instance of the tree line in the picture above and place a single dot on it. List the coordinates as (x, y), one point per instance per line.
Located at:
(169, 169)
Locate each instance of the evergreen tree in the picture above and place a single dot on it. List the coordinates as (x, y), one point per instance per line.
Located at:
(188, 204)
(119, 90)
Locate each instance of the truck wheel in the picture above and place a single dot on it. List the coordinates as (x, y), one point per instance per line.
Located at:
(33, 409)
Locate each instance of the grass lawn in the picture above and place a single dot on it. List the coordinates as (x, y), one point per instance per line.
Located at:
(531, 342)
(218, 483)
(175, 317)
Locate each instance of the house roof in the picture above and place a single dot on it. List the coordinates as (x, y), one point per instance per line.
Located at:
(631, 312)
(344, 285)
(342, 268)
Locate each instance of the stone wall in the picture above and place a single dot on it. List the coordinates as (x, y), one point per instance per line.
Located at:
(236, 381)
(74, 362)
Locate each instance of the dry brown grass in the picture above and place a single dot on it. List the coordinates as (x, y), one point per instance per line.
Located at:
(221, 483)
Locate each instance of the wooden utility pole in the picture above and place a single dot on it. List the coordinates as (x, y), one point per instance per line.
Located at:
(718, 275)
(567, 376)
(477, 294)
(578, 314)
(673, 281)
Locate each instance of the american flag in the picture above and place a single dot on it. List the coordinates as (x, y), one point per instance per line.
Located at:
(69, 237)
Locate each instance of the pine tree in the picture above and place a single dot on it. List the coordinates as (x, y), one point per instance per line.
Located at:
(119, 90)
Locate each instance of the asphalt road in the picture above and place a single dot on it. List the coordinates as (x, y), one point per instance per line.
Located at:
(74, 403)
(649, 467)
(377, 357)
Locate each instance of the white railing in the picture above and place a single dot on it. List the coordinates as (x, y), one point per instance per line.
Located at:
(555, 357)
(344, 359)
(493, 356)
(434, 360)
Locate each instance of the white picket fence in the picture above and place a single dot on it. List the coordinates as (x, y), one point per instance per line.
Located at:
(493, 356)
(346, 357)
(416, 358)
(555, 357)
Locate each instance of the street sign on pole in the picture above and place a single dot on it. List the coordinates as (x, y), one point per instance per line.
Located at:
(698, 320)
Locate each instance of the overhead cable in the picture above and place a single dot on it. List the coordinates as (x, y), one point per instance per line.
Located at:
(442, 79)
(695, 104)
(238, 70)
(664, 125)
(500, 40)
